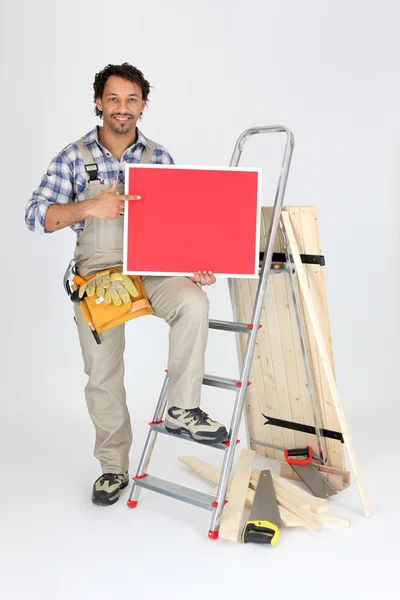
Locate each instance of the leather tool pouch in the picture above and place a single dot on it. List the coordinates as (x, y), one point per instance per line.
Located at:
(102, 316)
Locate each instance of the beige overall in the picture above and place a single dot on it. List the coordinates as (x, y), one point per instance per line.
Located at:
(177, 300)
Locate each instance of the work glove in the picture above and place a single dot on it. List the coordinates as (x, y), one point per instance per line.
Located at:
(120, 290)
(97, 285)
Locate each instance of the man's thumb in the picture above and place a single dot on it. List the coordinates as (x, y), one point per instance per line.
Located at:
(113, 186)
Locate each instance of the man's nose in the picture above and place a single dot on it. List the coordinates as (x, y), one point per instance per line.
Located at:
(123, 106)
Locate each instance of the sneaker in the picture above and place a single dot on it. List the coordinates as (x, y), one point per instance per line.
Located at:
(107, 487)
(196, 423)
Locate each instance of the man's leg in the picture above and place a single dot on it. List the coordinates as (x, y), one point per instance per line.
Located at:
(106, 401)
(184, 306)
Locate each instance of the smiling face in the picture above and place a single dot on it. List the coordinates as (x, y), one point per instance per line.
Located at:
(121, 104)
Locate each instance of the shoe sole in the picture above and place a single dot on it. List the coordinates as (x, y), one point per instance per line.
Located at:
(103, 499)
(222, 437)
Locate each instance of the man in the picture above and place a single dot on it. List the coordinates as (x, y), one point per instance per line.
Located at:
(69, 195)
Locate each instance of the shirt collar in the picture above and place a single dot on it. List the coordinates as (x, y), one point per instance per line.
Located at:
(92, 136)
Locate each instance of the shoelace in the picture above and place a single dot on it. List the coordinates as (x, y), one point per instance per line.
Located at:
(199, 416)
(112, 478)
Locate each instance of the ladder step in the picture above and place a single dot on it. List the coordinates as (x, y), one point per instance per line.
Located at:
(222, 382)
(230, 326)
(167, 488)
(160, 428)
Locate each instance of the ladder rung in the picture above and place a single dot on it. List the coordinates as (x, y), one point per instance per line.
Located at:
(176, 491)
(230, 326)
(221, 382)
(160, 428)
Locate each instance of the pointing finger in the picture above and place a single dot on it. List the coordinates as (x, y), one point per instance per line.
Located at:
(129, 197)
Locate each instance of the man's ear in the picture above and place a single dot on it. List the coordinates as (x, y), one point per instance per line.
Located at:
(99, 104)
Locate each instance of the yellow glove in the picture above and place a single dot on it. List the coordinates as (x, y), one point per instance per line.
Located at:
(120, 290)
(97, 285)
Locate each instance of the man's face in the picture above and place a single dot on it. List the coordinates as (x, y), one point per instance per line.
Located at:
(121, 104)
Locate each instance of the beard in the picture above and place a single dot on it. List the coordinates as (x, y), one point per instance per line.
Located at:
(121, 128)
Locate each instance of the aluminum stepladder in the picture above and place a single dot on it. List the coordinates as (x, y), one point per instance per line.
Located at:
(142, 479)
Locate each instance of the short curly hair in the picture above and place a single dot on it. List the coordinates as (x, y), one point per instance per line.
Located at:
(126, 71)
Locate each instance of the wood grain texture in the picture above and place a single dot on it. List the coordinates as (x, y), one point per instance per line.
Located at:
(279, 386)
(325, 363)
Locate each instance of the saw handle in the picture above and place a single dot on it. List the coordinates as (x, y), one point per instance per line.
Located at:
(260, 532)
(307, 452)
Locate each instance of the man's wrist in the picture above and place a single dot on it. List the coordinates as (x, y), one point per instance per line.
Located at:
(87, 206)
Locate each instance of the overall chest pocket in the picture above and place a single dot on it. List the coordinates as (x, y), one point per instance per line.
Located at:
(107, 235)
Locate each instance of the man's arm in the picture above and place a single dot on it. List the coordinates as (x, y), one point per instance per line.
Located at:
(59, 216)
(52, 206)
(55, 189)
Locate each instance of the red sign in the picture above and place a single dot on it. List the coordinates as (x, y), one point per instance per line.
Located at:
(192, 219)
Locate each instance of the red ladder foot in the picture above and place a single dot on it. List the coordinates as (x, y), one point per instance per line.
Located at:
(213, 535)
(132, 503)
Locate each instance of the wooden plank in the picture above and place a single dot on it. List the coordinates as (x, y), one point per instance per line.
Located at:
(276, 320)
(316, 284)
(233, 512)
(304, 392)
(308, 517)
(289, 519)
(271, 347)
(278, 304)
(210, 473)
(308, 301)
(201, 467)
(294, 500)
(266, 400)
(333, 520)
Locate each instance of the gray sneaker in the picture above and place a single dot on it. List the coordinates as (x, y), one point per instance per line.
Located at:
(195, 423)
(107, 487)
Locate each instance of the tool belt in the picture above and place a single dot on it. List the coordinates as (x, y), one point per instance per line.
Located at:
(101, 316)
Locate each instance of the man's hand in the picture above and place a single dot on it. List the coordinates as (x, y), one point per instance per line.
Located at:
(109, 204)
(204, 278)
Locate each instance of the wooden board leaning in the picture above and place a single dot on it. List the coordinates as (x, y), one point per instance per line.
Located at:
(279, 386)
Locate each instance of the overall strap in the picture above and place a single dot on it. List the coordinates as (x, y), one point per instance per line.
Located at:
(90, 166)
(148, 152)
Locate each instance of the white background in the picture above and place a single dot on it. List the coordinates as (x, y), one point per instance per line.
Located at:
(328, 70)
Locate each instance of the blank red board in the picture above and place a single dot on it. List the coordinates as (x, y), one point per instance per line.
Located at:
(192, 218)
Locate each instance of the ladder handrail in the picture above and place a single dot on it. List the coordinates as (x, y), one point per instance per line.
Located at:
(252, 338)
(253, 131)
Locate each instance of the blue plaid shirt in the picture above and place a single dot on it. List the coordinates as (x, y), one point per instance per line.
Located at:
(65, 179)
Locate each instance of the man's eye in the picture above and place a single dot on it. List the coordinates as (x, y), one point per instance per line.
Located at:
(113, 99)
(132, 99)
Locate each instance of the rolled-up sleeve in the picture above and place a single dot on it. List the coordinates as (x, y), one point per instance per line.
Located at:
(56, 187)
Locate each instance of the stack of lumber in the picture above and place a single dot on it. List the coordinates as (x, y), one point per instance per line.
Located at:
(297, 507)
